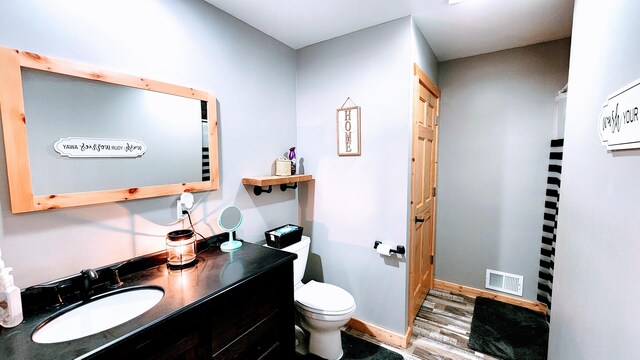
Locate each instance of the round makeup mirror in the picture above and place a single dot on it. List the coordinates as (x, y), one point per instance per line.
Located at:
(229, 220)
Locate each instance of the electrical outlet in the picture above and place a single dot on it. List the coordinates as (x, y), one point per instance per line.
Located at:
(184, 203)
(179, 214)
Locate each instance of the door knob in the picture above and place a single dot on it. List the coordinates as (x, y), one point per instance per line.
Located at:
(418, 220)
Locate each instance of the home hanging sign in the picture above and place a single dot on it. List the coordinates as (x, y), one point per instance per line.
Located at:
(76, 147)
(348, 123)
(618, 124)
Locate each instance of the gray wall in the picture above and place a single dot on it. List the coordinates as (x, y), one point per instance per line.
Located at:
(423, 55)
(188, 43)
(595, 294)
(496, 121)
(358, 200)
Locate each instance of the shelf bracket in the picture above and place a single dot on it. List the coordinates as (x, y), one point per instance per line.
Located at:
(284, 187)
(259, 190)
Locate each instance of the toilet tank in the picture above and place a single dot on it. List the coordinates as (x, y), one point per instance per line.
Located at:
(301, 248)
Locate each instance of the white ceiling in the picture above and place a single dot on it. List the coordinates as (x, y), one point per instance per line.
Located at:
(469, 28)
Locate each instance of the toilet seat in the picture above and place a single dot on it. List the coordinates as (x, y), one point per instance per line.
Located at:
(324, 299)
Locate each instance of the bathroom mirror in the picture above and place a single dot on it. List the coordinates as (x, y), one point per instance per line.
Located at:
(229, 220)
(77, 135)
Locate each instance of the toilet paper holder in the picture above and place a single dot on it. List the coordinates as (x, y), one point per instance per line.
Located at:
(398, 250)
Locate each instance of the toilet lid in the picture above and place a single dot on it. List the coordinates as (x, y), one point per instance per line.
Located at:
(324, 298)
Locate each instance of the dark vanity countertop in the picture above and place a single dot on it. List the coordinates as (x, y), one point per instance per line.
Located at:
(214, 272)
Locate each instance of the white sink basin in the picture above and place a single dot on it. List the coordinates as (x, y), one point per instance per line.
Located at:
(97, 315)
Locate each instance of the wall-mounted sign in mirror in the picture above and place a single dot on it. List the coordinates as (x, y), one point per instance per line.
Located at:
(77, 135)
(92, 148)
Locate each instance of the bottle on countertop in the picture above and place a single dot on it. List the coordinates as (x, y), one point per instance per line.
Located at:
(10, 299)
(292, 157)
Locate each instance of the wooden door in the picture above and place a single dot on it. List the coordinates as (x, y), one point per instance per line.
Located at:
(426, 99)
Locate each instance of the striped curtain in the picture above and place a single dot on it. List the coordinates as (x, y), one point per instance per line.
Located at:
(206, 170)
(206, 173)
(548, 247)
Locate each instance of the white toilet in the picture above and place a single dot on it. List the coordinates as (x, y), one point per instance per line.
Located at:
(323, 308)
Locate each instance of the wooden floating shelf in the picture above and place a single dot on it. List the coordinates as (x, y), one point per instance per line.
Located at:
(275, 180)
(261, 181)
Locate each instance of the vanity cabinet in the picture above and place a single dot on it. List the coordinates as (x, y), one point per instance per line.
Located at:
(253, 319)
(229, 305)
(259, 320)
(177, 339)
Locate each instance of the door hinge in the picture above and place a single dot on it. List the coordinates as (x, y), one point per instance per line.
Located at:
(434, 192)
(431, 259)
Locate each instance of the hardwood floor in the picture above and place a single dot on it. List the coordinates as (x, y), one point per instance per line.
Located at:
(441, 329)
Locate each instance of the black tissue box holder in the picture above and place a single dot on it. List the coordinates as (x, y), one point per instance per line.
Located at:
(284, 240)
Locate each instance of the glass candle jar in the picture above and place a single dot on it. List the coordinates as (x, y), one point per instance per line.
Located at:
(181, 247)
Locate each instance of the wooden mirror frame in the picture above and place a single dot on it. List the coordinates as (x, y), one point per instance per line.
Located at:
(12, 111)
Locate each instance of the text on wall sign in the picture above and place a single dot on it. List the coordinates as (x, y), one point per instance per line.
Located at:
(348, 129)
(99, 147)
(618, 123)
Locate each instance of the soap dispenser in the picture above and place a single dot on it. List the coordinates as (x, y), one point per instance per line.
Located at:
(292, 157)
(10, 300)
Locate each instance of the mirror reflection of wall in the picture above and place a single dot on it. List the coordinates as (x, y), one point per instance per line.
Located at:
(230, 218)
(60, 106)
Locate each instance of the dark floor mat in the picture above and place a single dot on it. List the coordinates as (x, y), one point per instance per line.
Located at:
(356, 349)
(508, 331)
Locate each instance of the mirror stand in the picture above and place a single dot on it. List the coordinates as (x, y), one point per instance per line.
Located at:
(229, 220)
(230, 244)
